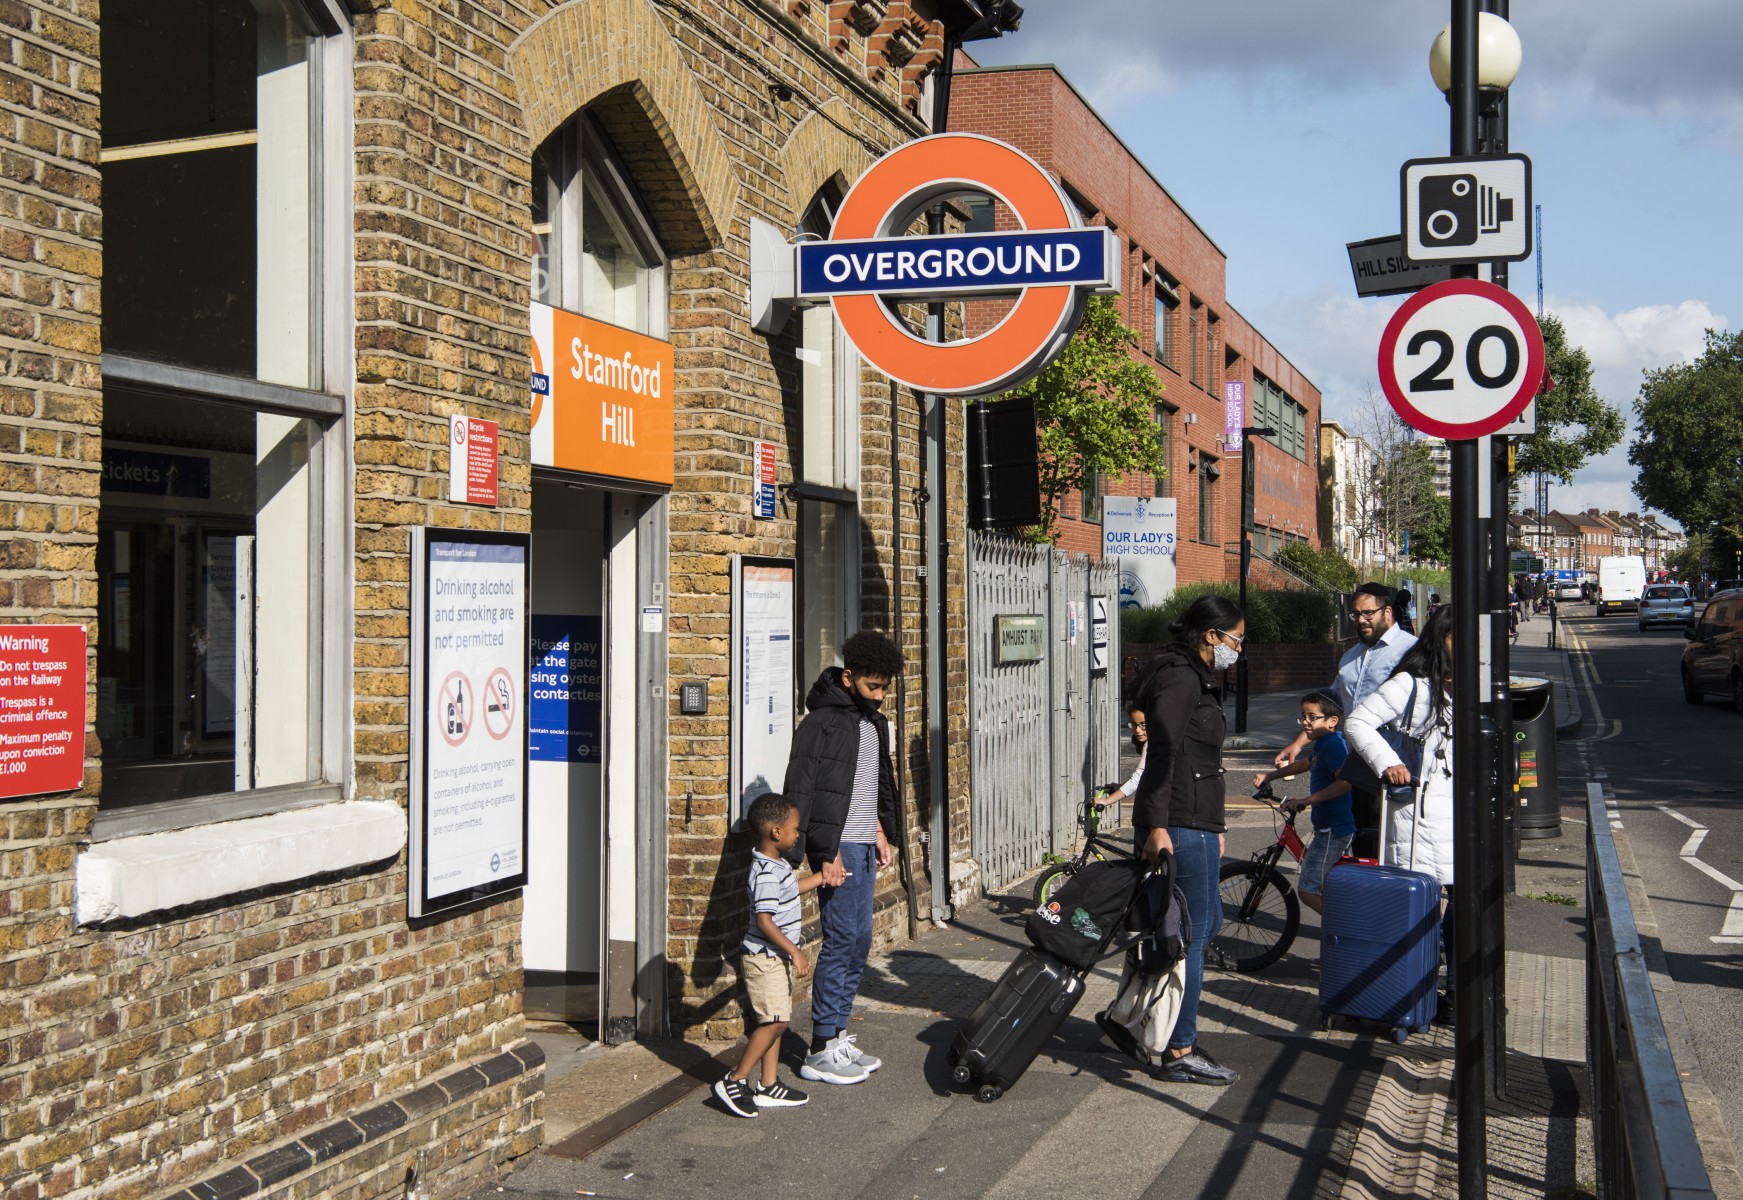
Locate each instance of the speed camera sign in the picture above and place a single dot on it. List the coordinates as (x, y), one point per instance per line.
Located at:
(1461, 359)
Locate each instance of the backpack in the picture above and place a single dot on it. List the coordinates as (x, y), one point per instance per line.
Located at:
(1101, 910)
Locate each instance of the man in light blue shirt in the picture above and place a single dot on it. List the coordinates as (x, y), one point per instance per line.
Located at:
(1380, 643)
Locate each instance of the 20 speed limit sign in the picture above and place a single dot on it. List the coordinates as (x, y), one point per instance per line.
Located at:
(1461, 358)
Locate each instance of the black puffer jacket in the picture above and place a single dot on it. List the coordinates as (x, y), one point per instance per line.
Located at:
(1183, 770)
(822, 764)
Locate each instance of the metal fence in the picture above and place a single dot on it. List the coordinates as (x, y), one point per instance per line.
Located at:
(1041, 732)
(1642, 1135)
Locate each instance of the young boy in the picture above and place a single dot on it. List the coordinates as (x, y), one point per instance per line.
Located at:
(771, 958)
(1334, 820)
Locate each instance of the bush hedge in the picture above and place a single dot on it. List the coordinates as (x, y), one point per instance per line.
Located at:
(1273, 617)
(1319, 566)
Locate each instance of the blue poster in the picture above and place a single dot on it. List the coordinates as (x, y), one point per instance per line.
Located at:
(567, 677)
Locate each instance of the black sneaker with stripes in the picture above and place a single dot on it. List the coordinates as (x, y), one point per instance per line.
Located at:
(779, 1095)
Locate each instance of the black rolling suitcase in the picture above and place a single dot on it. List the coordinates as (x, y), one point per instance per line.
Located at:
(1038, 991)
(1007, 1030)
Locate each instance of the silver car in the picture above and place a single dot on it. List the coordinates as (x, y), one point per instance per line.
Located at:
(1666, 604)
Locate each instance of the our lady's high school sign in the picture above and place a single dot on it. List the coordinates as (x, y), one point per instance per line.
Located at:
(1052, 264)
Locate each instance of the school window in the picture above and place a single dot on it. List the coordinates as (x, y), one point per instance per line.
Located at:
(1194, 317)
(1208, 473)
(1211, 354)
(826, 470)
(1089, 494)
(222, 508)
(594, 250)
(1164, 483)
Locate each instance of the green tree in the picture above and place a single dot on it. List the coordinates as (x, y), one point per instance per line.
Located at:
(1432, 540)
(1095, 410)
(1689, 448)
(1687, 562)
(1574, 423)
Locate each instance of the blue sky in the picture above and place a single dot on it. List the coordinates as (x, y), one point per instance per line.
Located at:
(1632, 115)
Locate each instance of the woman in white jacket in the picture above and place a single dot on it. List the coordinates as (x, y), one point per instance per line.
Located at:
(1420, 835)
(1426, 670)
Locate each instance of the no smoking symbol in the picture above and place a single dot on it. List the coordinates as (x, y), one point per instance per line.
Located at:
(499, 703)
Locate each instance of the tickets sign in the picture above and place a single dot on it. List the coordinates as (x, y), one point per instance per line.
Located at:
(602, 398)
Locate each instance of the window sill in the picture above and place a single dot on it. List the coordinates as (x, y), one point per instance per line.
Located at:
(131, 876)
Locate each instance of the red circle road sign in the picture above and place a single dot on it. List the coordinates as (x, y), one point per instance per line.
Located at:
(1461, 358)
(879, 205)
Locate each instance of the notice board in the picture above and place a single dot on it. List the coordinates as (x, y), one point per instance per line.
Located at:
(469, 717)
(763, 617)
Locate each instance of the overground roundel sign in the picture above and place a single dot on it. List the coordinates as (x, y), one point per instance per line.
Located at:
(1461, 358)
(1052, 261)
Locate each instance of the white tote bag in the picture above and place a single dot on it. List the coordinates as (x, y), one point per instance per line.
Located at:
(1149, 1005)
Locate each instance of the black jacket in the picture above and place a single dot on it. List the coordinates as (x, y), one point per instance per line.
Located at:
(822, 764)
(1183, 771)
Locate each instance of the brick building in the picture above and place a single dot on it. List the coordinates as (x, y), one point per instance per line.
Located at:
(1175, 298)
(256, 254)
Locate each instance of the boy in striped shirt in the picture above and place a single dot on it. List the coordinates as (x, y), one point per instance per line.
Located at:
(772, 958)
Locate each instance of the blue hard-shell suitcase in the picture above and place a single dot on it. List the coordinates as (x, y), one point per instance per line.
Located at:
(1379, 949)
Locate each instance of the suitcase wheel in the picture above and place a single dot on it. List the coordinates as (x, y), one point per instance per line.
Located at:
(961, 1074)
(1399, 1034)
(989, 1092)
(1326, 1021)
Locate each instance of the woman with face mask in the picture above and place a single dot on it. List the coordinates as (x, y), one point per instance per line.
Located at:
(1178, 805)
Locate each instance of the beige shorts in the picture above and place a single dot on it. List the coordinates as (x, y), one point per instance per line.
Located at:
(768, 986)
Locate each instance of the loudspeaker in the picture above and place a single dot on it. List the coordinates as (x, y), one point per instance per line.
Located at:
(1004, 466)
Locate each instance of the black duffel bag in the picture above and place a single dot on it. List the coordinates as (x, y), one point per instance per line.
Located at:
(1093, 914)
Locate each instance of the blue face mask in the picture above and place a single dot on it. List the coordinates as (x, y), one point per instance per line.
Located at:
(1222, 658)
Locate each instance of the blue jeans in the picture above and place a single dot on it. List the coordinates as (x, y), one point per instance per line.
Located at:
(1198, 865)
(847, 937)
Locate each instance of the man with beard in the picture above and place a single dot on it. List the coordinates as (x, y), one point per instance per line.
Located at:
(840, 776)
(1380, 643)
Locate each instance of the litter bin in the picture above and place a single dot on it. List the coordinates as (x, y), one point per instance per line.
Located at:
(1539, 812)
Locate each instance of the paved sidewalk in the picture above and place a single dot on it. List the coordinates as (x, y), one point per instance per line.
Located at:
(1316, 1115)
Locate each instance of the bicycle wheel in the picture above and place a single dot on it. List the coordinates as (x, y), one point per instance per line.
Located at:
(1050, 880)
(1260, 916)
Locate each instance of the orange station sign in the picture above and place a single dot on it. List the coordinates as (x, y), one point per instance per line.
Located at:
(602, 398)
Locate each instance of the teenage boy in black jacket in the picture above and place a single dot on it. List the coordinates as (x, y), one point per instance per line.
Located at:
(839, 774)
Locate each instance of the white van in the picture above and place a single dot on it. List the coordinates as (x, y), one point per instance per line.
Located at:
(1621, 579)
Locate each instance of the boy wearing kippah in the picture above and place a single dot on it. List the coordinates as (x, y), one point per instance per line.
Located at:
(1334, 818)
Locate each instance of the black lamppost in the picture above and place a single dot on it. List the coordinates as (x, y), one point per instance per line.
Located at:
(1247, 434)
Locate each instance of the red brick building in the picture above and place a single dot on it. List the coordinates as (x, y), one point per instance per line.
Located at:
(1175, 297)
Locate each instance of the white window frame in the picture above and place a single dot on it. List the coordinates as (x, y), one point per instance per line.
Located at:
(143, 827)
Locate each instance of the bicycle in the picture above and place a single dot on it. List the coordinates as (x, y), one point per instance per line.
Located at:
(1261, 912)
(1095, 845)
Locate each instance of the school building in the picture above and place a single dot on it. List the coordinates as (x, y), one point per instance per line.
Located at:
(256, 257)
(1175, 297)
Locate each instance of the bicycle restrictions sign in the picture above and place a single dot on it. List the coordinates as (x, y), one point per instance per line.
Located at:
(1461, 359)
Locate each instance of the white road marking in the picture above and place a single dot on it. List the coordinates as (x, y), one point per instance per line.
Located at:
(1733, 931)
(1693, 845)
(1689, 821)
(1717, 876)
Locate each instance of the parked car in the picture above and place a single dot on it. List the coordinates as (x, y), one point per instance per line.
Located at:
(1567, 589)
(1666, 604)
(1712, 662)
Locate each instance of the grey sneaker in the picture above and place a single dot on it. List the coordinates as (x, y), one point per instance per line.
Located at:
(736, 1094)
(834, 1064)
(1195, 1066)
(779, 1095)
(855, 1054)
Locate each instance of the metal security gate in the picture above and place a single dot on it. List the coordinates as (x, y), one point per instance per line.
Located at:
(1044, 731)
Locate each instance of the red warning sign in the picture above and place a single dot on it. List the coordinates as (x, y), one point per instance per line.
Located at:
(42, 709)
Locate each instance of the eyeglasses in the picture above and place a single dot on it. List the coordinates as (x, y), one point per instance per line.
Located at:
(1315, 717)
(1367, 614)
(1239, 639)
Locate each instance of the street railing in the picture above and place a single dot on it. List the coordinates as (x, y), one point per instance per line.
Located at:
(1642, 1135)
